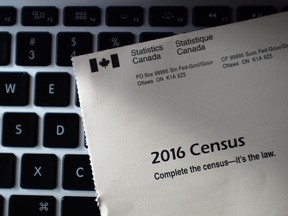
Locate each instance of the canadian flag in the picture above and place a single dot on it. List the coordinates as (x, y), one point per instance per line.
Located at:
(104, 63)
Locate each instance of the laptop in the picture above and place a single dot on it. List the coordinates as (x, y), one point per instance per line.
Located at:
(44, 163)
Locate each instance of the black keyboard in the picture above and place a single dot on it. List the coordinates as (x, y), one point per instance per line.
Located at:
(44, 163)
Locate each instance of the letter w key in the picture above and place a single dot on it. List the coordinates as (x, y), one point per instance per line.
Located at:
(14, 89)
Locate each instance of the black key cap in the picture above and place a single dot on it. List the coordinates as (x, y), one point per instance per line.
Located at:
(79, 206)
(147, 36)
(39, 16)
(32, 205)
(82, 16)
(5, 51)
(61, 130)
(7, 171)
(72, 44)
(167, 16)
(52, 89)
(7, 16)
(77, 173)
(38, 171)
(1, 206)
(124, 16)
(33, 48)
(108, 40)
(285, 8)
(20, 129)
(211, 15)
(250, 12)
(14, 89)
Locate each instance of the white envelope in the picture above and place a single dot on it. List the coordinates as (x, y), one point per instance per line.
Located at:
(194, 124)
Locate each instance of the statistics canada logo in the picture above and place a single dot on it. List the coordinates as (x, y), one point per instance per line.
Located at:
(104, 63)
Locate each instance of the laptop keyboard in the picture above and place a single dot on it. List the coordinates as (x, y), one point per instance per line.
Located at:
(44, 162)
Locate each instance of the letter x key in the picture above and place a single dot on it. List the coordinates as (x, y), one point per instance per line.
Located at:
(38, 171)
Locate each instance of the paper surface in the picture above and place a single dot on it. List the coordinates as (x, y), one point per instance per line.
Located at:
(194, 124)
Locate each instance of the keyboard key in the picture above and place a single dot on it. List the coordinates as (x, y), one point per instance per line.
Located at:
(33, 48)
(108, 40)
(79, 206)
(251, 12)
(206, 16)
(77, 173)
(167, 16)
(7, 16)
(20, 129)
(124, 16)
(52, 89)
(7, 171)
(82, 16)
(39, 16)
(38, 171)
(71, 44)
(285, 8)
(5, 51)
(14, 89)
(32, 205)
(147, 36)
(61, 130)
